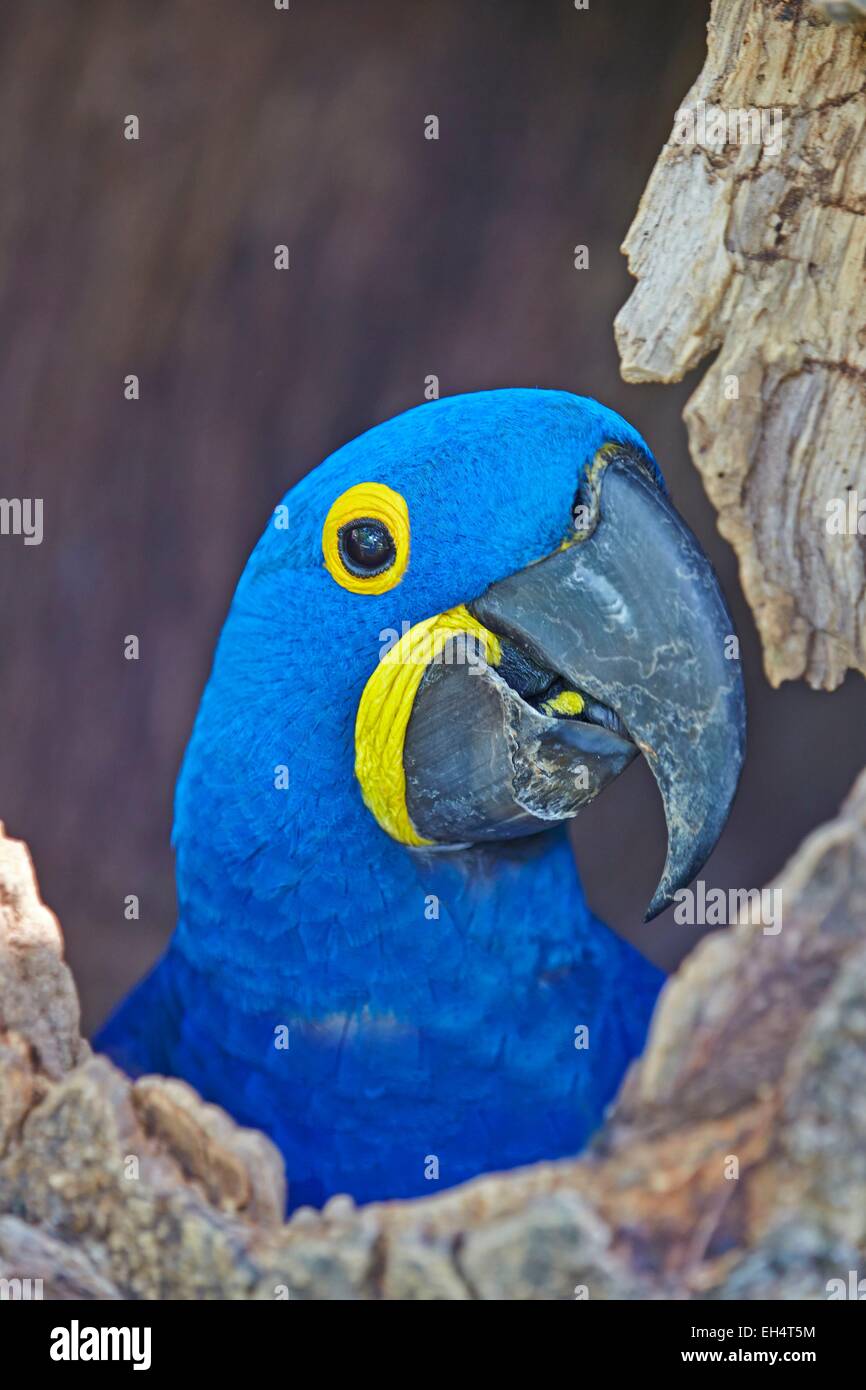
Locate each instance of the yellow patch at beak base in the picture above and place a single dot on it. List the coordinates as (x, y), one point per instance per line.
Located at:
(386, 705)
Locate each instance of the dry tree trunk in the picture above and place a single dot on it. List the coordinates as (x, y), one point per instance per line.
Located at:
(733, 1165)
(733, 1162)
(756, 251)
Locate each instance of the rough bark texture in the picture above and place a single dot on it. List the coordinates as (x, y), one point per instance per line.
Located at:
(733, 1164)
(756, 249)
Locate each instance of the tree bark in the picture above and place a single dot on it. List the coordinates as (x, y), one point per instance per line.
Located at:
(732, 1165)
(755, 251)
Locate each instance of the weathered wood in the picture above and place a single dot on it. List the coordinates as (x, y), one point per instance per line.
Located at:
(756, 250)
(732, 1165)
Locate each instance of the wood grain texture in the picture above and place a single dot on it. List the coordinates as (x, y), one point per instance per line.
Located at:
(754, 251)
(731, 1166)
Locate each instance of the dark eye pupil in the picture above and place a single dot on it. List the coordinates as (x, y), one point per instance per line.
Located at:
(367, 547)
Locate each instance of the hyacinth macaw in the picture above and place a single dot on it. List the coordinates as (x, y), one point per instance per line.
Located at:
(452, 634)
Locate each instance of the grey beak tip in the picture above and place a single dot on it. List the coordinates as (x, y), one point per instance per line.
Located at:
(660, 902)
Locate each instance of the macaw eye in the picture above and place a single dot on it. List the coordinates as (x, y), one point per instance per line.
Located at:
(366, 547)
(365, 539)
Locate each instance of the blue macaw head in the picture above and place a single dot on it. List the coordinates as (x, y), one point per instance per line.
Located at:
(461, 626)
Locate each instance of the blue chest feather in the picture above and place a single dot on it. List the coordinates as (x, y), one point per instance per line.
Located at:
(479, 1020)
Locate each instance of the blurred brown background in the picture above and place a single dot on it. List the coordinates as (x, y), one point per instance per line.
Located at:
(409, 257)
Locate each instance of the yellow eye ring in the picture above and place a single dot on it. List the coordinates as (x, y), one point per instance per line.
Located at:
(365, 539)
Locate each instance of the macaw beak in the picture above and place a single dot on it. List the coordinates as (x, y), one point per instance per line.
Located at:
(618, 643)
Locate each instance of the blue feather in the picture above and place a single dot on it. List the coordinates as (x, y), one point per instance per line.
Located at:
(421, 1050)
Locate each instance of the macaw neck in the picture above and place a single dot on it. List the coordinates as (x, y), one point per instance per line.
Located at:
(330, 924)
